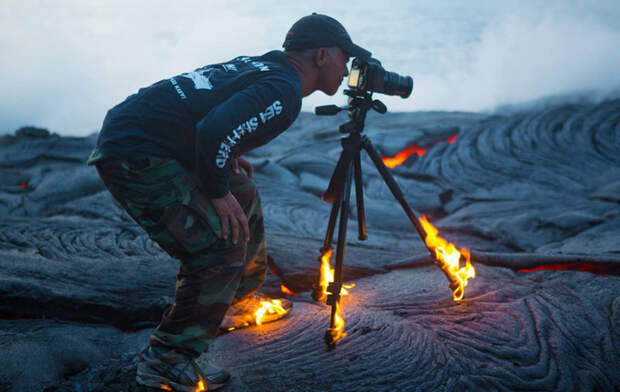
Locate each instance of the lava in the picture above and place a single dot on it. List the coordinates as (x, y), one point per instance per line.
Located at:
(411, 149)
(288, 291)
(597, 269)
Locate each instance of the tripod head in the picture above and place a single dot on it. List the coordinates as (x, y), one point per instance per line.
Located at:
(360, 102)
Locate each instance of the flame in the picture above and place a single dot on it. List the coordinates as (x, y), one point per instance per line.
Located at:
(447, 254)
(411, 149)
(325, 278)
(201, 386)
(268, 307)
(337, 332)
(327, 275)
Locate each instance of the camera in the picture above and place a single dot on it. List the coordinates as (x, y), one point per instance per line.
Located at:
(371, 76)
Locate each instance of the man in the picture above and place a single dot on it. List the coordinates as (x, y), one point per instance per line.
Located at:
(171, 156)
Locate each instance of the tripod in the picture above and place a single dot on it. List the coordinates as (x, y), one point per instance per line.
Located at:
(339, 193)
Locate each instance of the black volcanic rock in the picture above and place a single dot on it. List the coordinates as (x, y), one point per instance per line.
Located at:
(530, 189)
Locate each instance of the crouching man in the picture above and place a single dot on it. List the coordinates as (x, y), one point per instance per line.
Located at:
(171, 156)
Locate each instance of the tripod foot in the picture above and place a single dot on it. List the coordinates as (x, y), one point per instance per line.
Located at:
(330, 338)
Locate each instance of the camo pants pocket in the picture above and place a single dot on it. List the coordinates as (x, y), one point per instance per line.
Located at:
(191, 223)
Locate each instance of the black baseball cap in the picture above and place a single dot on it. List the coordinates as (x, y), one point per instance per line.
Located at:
(320, 31)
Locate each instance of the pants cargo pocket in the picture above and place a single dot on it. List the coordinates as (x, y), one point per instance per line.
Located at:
(192, 224)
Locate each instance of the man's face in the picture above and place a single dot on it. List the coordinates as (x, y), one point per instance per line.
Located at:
(334, 71)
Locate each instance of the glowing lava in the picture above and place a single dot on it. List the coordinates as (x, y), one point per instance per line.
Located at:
(288, 291)
(598, 269)
(411, 149)
(325, 278)
(447, 254)
(402, 156)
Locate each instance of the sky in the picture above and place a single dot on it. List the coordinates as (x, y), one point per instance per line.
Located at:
(66, 62)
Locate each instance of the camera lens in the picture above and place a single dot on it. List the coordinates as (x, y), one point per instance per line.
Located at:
(395, 84)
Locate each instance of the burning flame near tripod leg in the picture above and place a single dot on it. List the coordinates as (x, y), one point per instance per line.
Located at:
(325, 278)
(449, 259)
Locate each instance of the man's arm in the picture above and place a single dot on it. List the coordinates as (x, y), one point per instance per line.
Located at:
(248, 119)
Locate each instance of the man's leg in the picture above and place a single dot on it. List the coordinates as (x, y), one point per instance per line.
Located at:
(164, 199)
(255, 269)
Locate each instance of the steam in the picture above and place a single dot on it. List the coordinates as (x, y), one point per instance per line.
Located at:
(521, 60)
(64, 65)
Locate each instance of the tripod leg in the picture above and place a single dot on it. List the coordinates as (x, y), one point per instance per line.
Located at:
(317, 290)
(394, 188)
(330, 227)
(359, 197)
(342, 239)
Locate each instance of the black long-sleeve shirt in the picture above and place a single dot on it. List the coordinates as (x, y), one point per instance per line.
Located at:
(206, 117)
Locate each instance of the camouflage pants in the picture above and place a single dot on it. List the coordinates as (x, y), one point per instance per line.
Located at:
(163, 198)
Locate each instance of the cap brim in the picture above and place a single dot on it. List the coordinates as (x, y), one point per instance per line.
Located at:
(357, 51)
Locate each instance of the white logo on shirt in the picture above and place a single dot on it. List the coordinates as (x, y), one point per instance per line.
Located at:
(201, 81)
(245, 128)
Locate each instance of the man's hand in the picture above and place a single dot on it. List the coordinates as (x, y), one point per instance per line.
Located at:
(231, 215)
(240, 163)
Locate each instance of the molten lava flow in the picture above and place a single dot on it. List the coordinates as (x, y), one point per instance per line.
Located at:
(268, 307)
(412, 148)
(288, 291)
(402, 156)
(598, 269)
(325, 278)
(447, 254)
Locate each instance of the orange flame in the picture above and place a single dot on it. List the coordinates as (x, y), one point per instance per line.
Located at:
(447, 254)
(327, 274)
(411, 149)
(337, 332)
(201, 386)
(166, 387)
(268, 307)
(325, 278)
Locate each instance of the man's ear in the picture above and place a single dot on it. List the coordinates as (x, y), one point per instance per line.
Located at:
(320, 57)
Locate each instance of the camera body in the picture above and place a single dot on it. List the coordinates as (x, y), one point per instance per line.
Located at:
(369, 75)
